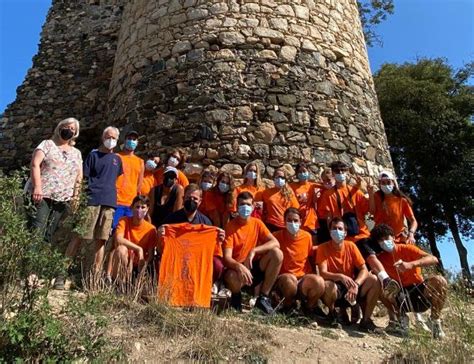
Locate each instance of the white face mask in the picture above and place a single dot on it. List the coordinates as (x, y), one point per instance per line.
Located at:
(279, 182)
(110, 143)
(173, 161)
(338, 236)
(387, 189)
(251, 175)
(293, 227)
(387, 245)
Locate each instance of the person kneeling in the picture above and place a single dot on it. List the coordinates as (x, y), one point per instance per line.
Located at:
(135, 239)
(402, 263)
(338, 261)
(251, 255)
(296, 280)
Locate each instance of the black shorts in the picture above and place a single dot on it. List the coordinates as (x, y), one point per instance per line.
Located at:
(341, 293)
(257, 273)
(412, 298)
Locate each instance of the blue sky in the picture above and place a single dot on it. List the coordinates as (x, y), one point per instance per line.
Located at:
(419, 28)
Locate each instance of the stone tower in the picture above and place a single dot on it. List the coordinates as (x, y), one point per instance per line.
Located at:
(228, 80)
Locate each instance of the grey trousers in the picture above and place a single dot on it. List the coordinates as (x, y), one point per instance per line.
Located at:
(46, 216)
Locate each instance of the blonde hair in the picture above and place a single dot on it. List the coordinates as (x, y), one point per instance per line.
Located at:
(258, 180)
(285, 191)
(66, 121)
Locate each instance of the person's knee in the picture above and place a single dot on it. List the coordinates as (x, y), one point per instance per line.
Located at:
(438, 281)
(287, 285)
(276, 255)
(371, 284)
(232, 281)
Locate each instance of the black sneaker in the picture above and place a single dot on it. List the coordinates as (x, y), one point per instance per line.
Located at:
(236, 301)
(264, 304)
(369, 327)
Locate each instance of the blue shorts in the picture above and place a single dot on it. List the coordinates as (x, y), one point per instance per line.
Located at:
(121, 211)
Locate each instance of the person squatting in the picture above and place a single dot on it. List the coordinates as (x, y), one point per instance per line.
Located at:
(302, 243)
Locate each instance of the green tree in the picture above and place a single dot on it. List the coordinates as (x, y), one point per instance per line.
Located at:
(372, 13)
(427, 108)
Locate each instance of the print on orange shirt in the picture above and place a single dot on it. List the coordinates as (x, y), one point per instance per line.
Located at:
(392, 211)
(295, 252)
(143, 235)
(345, 261)
(127, 183)
(275, 205)
(306, 196)
(242, 238)
(407, 253)
(185, 278)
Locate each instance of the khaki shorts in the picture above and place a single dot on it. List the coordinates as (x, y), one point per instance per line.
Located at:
(99, 222)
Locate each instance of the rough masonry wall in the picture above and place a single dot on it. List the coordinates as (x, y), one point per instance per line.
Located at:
(70, 77)
(278, 81)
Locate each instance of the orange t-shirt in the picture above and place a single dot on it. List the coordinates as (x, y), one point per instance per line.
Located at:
(217, 201)
(345, 261)
(295, 252)
(329, 207)
(392, 211)
(127, 183)
(242, 238)
(186, 265)
(274, 206)
(407, 253)
(182, 179)
(307, 210)
(254, 190)
(143, 235)
(206, 203)
(149, 182)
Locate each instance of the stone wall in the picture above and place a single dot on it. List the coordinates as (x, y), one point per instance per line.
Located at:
(278, 81)
(70, 77)
(230, 81)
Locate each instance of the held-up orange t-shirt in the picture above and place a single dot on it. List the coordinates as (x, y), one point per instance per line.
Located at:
(345, 261)
(143, 235)
(295, 252)
(407, 253)
(307, 210)
(149, 182)
(182, 179)
(328, 207)
(127, 183)
(243, 237)
(392, 211)
(186, 265)
(275, 205)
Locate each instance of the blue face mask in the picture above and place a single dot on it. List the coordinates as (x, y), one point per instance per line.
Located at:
(387, 189)
(150, 165)
(303, 176)
(387, 245)
(293, 227)
(224, 187)
(131, 144)
(279, 182)
(206, 186)
(245, 211)
(338, 235)
(340, 177)
(251, 175)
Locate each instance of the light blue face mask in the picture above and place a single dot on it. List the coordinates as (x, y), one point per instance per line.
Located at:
(131, 144)
(245, 211)
(293, 227)
(224, 187)
(387, 245)
(303, 176)
(338, 236)
(340, 177)
(251, 175)
(150, 165)
(206, 186)
(387, 189)
(279, 182)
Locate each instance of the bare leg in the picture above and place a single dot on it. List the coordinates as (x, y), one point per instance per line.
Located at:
(330, 295)
(312, 288)
(119, 263)
(270, 264)
(370, 291)
(287, 287)
(435, 291)
(73, 247)
(232, 281)
(99, 255)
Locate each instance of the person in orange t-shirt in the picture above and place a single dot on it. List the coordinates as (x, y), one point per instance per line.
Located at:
(251, 255)
(253, 183)
(220, 200)
(307, 194)
(348, 281)
(345, 201)
(149, 179)
(276, 200)
(402, 263)
(296, 278)
(175, 159)
(130, 182)
(185, 278)
(391, 206)
(206, 182)
(134, 242)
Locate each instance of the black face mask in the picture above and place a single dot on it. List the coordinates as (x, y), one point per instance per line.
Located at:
(190, 205)
(66, 134)
(168, 182)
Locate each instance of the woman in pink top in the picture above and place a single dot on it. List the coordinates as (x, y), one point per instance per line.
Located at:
(56, 173)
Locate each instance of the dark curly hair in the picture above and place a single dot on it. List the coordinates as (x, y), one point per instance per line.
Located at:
(381, 231)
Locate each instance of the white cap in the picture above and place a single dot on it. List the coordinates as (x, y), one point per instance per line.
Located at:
(386, 174)
(171, 169)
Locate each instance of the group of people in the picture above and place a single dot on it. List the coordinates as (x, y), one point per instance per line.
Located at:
(300, 243)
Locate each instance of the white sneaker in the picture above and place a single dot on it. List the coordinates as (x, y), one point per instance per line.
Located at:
(437, 330)
(214, 289)
(421, 323)
(224, 292)
(405, 322)
(252, 302)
